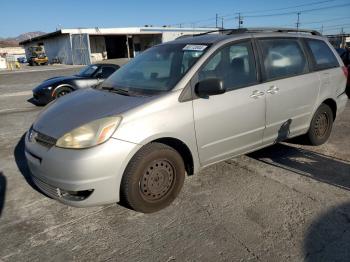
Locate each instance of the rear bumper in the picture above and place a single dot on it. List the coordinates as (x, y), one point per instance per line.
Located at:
(341, 103)
(93, 174)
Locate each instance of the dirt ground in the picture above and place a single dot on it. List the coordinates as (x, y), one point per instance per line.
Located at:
(287, 202)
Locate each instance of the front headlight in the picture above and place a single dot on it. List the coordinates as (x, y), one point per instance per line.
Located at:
(91, 134)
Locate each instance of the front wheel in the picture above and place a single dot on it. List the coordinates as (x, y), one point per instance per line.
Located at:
(62, 92)
(153, 178)
(320, 126)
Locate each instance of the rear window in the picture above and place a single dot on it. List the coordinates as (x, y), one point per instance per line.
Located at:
(283, 58)
(322, 54)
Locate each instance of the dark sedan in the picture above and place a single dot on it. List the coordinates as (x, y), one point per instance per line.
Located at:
(55, 87)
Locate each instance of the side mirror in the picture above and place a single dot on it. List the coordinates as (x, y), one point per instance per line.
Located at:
(209, 87)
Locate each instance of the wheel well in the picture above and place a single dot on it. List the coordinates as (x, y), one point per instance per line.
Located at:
(183, 150)
(60, 87)
(332, 104)
(65, 86)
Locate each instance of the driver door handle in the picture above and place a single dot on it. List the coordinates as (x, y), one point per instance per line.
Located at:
(273, 90)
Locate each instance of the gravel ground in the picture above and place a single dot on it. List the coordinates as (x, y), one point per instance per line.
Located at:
(284, 203)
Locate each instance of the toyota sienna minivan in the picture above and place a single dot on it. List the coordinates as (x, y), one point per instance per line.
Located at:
(182, 106)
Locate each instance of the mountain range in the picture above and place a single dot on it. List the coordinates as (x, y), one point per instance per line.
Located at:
(14, 41)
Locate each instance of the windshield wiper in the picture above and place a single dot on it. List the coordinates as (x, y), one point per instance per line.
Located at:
(117, 90)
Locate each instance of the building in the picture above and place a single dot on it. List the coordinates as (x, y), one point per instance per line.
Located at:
(339, 40)
(86, 46)
(9, 56)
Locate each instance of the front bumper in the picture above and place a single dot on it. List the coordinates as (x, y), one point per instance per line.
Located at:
(97, 171)
(42, 98)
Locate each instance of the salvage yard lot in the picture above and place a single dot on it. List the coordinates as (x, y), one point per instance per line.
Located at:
(284, 203)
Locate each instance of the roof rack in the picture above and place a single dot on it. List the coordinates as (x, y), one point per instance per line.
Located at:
(282, 30)
(260, 30)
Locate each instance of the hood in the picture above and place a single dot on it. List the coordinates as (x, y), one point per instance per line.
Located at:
(81, 107)
(54, 81)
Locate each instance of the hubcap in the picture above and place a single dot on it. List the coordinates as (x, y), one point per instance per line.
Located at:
(321, 125)
(62, 93)
(157, 180)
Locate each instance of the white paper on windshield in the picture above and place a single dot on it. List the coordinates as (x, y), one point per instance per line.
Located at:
(194, 47)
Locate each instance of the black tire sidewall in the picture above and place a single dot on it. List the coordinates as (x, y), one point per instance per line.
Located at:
(130, 187)
(313, 138)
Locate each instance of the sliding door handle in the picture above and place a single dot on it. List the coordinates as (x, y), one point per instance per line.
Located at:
(256, 94)
(273, 90)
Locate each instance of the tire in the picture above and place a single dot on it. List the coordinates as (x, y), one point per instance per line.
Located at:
(320, 126)
(62, 91)
(152, 179)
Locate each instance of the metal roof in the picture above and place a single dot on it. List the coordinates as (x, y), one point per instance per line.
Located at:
(117, 31)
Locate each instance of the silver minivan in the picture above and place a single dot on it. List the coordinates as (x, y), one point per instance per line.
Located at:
(182, 106)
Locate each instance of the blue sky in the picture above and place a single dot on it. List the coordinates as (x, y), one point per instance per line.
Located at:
(24, 16)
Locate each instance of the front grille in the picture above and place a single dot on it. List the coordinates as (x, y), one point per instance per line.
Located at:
(49, 190)
(45, 140)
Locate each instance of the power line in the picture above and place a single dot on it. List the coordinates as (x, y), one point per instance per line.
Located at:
(240, 17)
(327, 20)
(302, 11)
(337, 26)
(284, 8)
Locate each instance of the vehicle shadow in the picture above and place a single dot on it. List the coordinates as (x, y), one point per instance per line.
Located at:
(21, 163)
(328, 237)
(317, 166)
(2, 191)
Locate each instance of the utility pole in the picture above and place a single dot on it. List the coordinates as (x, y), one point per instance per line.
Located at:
(342, 38)
(240, 20)
(222, 23)
(216, 20)
(322, 29)
(298, 21)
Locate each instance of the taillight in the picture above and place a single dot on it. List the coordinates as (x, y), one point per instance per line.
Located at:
(346, 72)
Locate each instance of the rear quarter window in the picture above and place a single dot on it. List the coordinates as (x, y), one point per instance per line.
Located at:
(283, 58)
(322, 55)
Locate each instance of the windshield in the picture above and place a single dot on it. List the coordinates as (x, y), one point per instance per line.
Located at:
(88, 71)
(156, 70)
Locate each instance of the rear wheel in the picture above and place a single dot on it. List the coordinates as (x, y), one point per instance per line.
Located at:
(153, 178)
(321, 125)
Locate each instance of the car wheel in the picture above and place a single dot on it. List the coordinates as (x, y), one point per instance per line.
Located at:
(153, 178)
(62, 92)
(320, 126)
